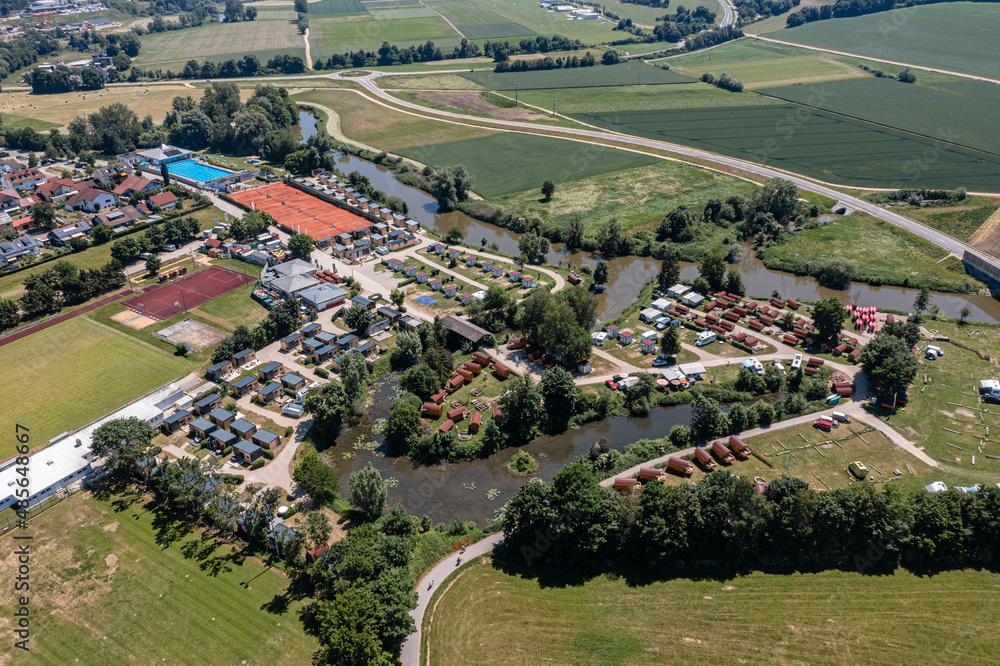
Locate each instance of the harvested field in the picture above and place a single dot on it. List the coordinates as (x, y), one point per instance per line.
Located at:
(625, 74)
(987, 237)
(233, 40)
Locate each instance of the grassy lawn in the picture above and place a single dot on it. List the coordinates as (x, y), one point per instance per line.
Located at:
(885, 254)
(638, 197)
(116, 581)
(79, 370)
(58, 110)
(797, 618)
(232, 309)
(384, 128)
(519, 162)
(638, 98)
(958, 36)
(627, 74)
(220, 41)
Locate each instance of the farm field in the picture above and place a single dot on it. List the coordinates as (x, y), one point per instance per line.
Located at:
(829, 617)
(427, 82)
(220, 41)
(777, 23)
(885, 254)
(957, 36)
(329, 36)
(813, 143)
(519, 162)
(950, 112)
(625, 74)
(322, 7)
(638, 197)
(77, 371)
(371, 123)
(528, 14)
(760, 64)
(479, 23)
(93, 594)
(637, 98)
(645, 47)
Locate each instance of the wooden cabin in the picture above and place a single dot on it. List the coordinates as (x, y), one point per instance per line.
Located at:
(682, 467)
(739, 447)
(723, 453)
(705, 458)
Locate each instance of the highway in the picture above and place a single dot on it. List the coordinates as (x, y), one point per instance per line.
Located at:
(728, 13)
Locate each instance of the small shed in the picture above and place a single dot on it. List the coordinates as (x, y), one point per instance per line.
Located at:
(626, 337)
(246, 451)
(290, 342)
(242, 428)
(527, 282)
(497, 271)
(435, 284)
(266, 439)
(450, 291)
(421, 277)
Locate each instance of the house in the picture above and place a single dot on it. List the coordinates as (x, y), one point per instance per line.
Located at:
(290, 342)
(361, 300)
(662, 304)
(176, 421)
(201, 428)
(309, 330)
(310, 345)
(497, 271)
(326, 338)
(164, 154)
(377, 239)
(271, 371)
(23, 179)
(219, 370)
(366, 349)
(55, 190)
(110, 175)
(244, 357)
(246, 451)
(649, 315)
(450, 291)
(266, 439)
(324, 354)
(378, 326)
(133, 185)
(9, 199)
(464, 329)
(11, 251)
(222, 417)
(389, 313)
(409, 323)
(222, 439)
(322, 297)
(692, 299)
(119, 218)
(90, 200)
(293, 381)
(421, 277)
(435, 284)
(10, 164)
(677, 290)
(245, 386)
(242, 428)
(626, 337)
(64, 234)
(208, 403)
(163, 200)
(268, 393)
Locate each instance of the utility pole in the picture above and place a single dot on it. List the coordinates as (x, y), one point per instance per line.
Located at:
(515, 94)
(553, 107)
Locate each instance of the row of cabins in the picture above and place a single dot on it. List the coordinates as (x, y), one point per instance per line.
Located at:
(328, 184)
(466, 373)
(222, 429)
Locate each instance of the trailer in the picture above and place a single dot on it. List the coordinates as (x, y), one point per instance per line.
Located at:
(723, 453)
(705, 458)
(739, 447)
(680, 466)
(627, 484)
(649, 474)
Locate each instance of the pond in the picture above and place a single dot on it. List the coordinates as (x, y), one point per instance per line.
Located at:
(307, 126)
(628, 274)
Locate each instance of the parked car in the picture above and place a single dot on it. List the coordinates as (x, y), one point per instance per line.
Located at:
(611, 384)
(825, 426)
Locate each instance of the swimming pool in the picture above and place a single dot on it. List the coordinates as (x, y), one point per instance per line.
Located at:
(197, 171)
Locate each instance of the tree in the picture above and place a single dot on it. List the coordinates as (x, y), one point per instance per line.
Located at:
(455, 235)
(602, 273)
(319, 481)
(124, 442)
(420, 380)
(301, 6)
(707, 420)
(399, 523)
(734, 282)
(964, 314)
(91, 78)
(358, 318)
(922, 301)
(889, 364)
(560, 396)
(670, 343)
(354, 376)
(829, 316)
(368, 492)
(713, 269)
(114, 128)
(836, 272)
(153, 264)
(450, 186)
(533, 247)
(670, 268)
(408, 348)
(573, 233)
(101, 234)
(548, 189)
(10, 313)
(317, 528)
(121, 62)
(301, 246)
(611, 238)
(402, 431)
(328, 406)
(522, 410)
(43, 215)
(164, 174)
(396, 297)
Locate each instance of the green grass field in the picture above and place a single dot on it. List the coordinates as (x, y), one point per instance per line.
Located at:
(528, 14)
(427, 82)
(336, 7)
(327, 37)
(637, 98)
(956, 36)
(519, 162)
(479, 22)
(77, 371)
(626, 74)
(885, 254)
(815, 144)
(645, 47)
(951, 112)
(171, 50)
(117, 583)
(763, 64)
(832, 617)
(960, 221)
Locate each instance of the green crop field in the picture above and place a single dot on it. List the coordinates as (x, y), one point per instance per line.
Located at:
(637, 98)
(390, 13)
(764, 64)
(952, 112)
(528, 14)
(77, 371)
(961, 220)
(506, 163)
(830, 617)
(495, 30)
(327, 37)
(336, 7)
(645, 47)
(814, 143)
(956, 36)
(625, 74)
(234, 40)
(116, 581)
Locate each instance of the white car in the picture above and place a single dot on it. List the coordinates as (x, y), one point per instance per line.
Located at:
(797, 362)
(781, 367)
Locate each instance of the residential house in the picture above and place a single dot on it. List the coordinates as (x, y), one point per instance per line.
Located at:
(243, 428)
(10, 164)
(222, 439)
(13, 250)
(326, 338)
(347, 342)
(176, 421)
(133, 185)
(23, 179)
(55, 190)
(90, 200)
(222, 417)
(292, 341)
(389, 313)
(293, 381)
(270, 372)
(201, 428)
(112, 174)
(324, 354)
(246, 451)
(9, 199)
(208, 403)
(677, 290)
(245, 386)
(409, 323)
(268, 393)
(163, 200)
(119, 218)
(366, 349)
(219, 370)
(310, 330)
(266, 439)
(692, 299)
(361, 300)
(63, 235)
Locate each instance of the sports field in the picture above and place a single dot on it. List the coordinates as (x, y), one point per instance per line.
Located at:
(952, 112)
(832, 617)
(816, 144)
(957, 36)
(626, 74)
(171, 50)
(329, 36)
(116, 582)
(297, 211)
(164, 301)
(518, 162)
(73, 373)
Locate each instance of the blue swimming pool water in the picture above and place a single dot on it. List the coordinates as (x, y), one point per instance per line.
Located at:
(196, 171)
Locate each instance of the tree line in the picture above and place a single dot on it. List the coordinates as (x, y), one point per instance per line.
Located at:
(845, 8)
(574, 526)
(63, 284)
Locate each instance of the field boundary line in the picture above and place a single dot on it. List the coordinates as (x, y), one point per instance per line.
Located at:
(446, 20)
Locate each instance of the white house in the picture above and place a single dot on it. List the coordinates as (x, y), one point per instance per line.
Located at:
(662, 304)
(90, 200)
(692, 299)
(678, 290)
(649, 315)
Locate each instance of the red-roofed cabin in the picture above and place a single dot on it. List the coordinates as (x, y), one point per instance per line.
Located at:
(438, 397)
(501, 369)
(793, 304)
(482, 359)
(751, 341)
(454, 384)
(497, 410)
(740, 337)
(430, 410)
(458, 414)
(474, 368)
(756, 325)
(477, 419)
(465, 374)
(751, 306)
(767, 321)
(446, 426)
(728, 325)
(517, 343)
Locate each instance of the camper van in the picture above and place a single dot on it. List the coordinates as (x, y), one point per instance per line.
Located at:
(797, 362)
(858, 470)
(842, 417)
(933, 353)
(705, 338)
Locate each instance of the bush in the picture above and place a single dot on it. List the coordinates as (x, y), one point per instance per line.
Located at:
(320, 372)
(226, 451)
(288, 431)
(231, 405)
(233, 479)
(257, 464)
(269, 454)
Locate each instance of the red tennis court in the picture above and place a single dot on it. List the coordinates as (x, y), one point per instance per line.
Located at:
(164, 301)
(300, 212)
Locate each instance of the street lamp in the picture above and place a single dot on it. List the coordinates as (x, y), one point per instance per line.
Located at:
(185, 303)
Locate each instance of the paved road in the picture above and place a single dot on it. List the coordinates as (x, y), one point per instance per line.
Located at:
(728, 13)
(596, 134)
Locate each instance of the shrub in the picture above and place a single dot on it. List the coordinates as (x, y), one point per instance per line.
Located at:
(288, 431)
(257, 464)
(320, 372)
(226, 451)
(233, 479)
(269, 454)
(231, 405)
